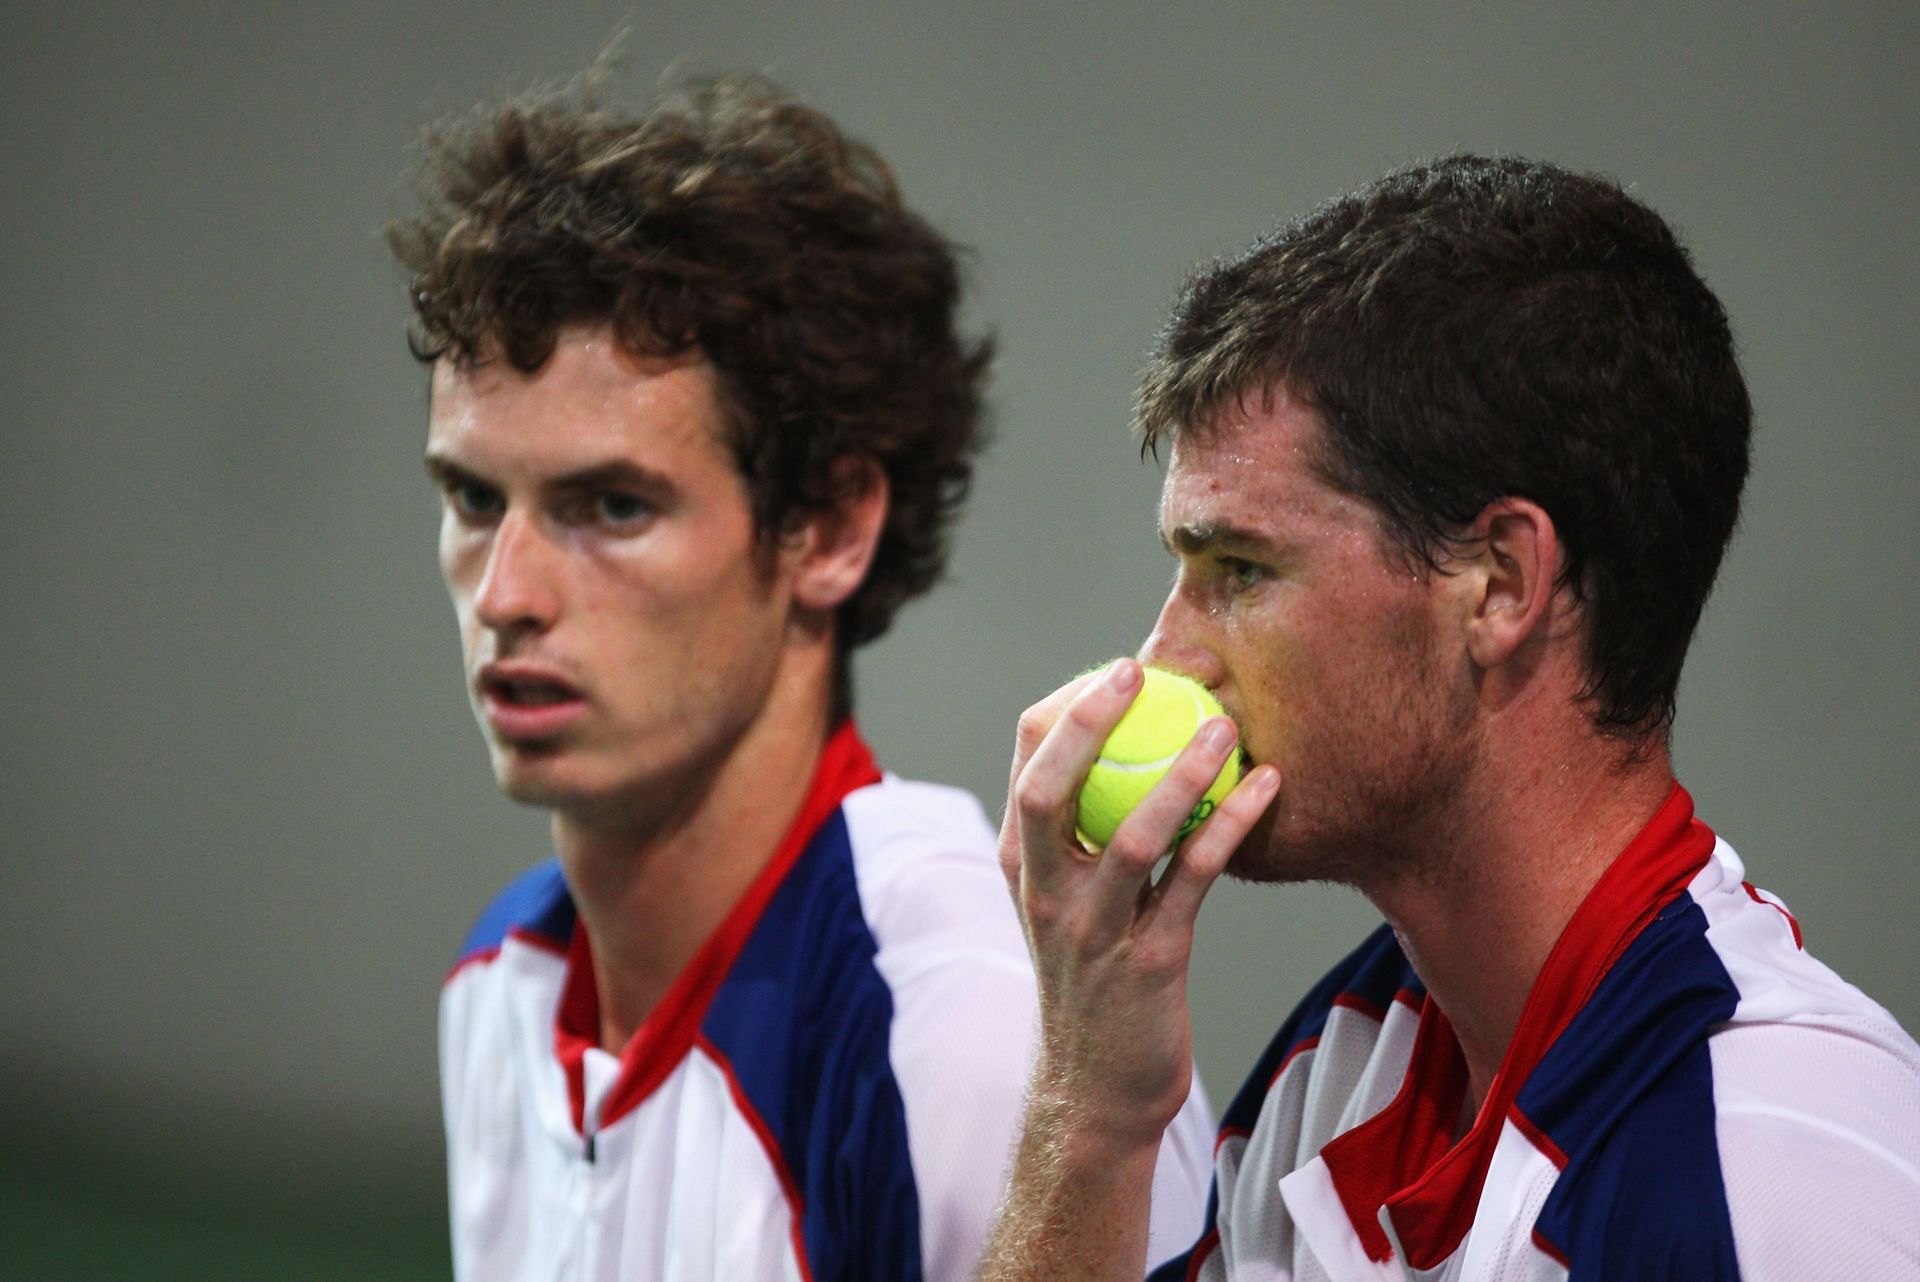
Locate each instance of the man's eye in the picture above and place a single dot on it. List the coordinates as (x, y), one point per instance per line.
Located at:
(616, 507)
(1243, 574)
(473, 502)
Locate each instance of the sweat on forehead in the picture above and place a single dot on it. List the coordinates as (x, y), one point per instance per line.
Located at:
(1252, 430)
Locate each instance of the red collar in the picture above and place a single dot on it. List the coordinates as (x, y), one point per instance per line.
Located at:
(668, 1032)
(1400, 1159)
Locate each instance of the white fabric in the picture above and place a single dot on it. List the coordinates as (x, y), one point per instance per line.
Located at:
(685, 1187)
(1816, 1096)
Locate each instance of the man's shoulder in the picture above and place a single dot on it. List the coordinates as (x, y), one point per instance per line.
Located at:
(924, 866)
(898, 881)
(1718, 983)
(1759, 1148)
(1722, 1086)
(899, 819)
(535, 906)
(882, 1006)
(1368, 982)
(894, 941)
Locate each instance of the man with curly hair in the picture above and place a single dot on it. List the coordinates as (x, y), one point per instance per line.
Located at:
(702, 418)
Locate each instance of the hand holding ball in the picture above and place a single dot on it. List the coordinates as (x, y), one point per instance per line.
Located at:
(1164, 716)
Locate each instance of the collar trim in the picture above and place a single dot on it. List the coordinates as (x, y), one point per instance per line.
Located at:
(1400, 1161)
(670, 1029)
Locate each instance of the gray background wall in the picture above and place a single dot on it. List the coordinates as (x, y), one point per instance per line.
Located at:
(246, 817)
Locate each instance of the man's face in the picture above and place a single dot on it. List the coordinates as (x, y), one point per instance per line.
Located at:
(1330, 652)
(621, 626)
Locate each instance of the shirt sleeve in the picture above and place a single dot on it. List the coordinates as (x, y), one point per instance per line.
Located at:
(1809, 1200)
(964, 1013)
(962, 1050)
(1181, 1180)
(1818, 1129)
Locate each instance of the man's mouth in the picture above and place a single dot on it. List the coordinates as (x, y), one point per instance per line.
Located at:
(524, 703)
(534, 692)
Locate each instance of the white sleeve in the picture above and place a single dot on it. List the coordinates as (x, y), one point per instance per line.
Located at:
(1819, 1135)
(962, 1048)
(963, 1077)
(1810, 1203)
(965, 1015)
(1181, 1179)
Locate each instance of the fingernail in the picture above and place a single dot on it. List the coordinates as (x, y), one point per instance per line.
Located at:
(1216, 734)
(1123, 675)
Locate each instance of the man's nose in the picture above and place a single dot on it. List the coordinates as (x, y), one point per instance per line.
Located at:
(517, 589)
(1178, 642)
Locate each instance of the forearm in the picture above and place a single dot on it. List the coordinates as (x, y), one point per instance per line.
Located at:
(1110, 943)
(1078, 1206)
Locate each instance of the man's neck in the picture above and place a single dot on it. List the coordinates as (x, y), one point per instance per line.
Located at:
(650, 890)
(1478, 922)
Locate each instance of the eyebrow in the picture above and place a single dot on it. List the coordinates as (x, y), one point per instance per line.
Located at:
(617, 474)
(446, 471)
(1216, 536)
(613, 474)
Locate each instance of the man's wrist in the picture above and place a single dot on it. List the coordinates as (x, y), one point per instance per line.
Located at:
(1080, 1199)
(1086, 1138)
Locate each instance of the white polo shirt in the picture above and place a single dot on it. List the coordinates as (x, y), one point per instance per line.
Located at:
(831, 1089)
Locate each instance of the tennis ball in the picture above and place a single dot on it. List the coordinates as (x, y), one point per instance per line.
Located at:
(1164, 716)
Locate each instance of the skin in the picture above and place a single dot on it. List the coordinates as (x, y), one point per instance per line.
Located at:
(1323, 646)
(596, 531)
(1433, 746)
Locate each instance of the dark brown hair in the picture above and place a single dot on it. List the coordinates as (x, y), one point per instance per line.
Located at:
(731, 220)
(1471, 329)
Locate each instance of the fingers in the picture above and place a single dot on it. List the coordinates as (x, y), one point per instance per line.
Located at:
(1148, 832)
(1041, 797)
(1032, 729)
(1204, 855)
(1151, 829)
(1040, 718)
(1058, 741)
(1037, 720)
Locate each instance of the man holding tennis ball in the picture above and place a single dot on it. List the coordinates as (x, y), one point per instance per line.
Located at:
(1454, 460)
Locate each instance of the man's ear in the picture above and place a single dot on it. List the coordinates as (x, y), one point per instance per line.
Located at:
(1511, 567)
(832, 549)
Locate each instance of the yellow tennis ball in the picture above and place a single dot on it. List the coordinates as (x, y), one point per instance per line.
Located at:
(1164, 716)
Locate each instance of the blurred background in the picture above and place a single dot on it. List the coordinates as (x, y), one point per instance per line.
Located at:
(247, 818)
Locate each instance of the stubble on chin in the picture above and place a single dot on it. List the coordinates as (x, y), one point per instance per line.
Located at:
(1383, 832)
(525, 774)
(1377, 805)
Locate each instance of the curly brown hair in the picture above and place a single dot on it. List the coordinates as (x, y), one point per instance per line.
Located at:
(728, 219)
